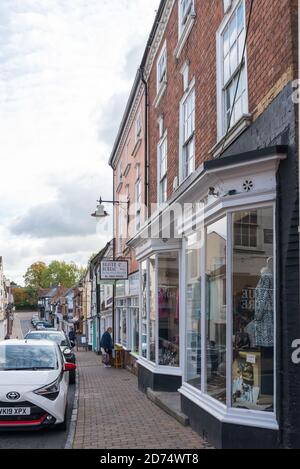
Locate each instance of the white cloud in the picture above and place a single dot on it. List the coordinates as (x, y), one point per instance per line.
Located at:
(61, 63)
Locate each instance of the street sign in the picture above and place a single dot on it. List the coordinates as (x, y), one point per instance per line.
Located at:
(114, 270)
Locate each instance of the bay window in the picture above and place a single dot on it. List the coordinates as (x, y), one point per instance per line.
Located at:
(152, 309)
(230, 311)
(144, 309)
(193, 310)
(216, 236)
(168, 308)
(160, 309)
(253, 317)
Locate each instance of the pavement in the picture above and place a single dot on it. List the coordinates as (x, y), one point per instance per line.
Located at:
(114, 413)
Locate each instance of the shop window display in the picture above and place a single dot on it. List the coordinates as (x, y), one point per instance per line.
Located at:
(152, 301)
(253, 313)
(144, 338)
(168, 308)
(193, 311)
(216, 243)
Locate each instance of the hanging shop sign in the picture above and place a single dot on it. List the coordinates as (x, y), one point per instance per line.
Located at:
(114, 270)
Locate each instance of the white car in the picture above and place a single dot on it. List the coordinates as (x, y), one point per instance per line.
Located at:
(33, 385)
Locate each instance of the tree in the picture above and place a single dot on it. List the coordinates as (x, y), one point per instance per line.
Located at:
(24, 298)
(61, 273)
(34, 274)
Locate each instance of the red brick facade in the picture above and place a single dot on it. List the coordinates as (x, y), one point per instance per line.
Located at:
(270, 67)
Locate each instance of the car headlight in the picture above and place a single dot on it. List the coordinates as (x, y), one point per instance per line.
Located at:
(50, 391)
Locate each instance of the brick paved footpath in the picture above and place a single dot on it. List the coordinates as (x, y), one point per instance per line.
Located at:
(113, 413)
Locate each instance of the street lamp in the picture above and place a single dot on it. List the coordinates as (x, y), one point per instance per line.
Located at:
(100, 210)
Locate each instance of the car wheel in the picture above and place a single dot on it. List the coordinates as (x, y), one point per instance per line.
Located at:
(72, 378)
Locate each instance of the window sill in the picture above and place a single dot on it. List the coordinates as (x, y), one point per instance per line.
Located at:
(241, 125)
(160, 94)
(159, 369)
(136, 147)
(249, 418)
(184, 35)
(127, 169)
(119, 187)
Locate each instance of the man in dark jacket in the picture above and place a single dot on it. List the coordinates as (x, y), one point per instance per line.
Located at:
(107, 346)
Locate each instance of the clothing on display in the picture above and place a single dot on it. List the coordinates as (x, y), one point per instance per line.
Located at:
(264, 311)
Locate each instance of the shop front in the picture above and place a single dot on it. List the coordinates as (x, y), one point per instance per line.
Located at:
(209, 318)
(127, 330)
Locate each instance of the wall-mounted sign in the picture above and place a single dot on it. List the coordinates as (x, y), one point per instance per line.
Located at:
(114, 270)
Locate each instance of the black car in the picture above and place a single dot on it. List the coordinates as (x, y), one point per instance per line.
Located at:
(62, 340)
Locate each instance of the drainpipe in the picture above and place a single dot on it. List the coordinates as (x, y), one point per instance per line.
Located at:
(142, 75)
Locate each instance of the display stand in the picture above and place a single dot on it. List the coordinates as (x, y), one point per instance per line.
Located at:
(118, 355)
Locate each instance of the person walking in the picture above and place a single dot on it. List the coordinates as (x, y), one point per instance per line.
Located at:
(107, 346)
(72, 337)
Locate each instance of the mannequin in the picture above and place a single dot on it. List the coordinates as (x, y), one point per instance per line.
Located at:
(264, 326)
(264, 308)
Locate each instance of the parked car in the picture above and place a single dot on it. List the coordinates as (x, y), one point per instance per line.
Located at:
(33, 385)
(59, 338)
(35, 318)
(42, 325)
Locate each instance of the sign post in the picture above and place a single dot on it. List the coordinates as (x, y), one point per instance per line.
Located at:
(114, 270)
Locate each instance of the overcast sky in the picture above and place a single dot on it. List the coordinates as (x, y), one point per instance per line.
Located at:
(66, 69)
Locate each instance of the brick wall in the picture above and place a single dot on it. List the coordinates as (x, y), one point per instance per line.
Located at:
(271, 65)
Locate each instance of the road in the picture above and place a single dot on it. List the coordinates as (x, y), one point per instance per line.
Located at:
(46, 439)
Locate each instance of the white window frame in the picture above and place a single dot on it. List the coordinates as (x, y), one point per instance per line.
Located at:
(138, 203)
(183, 20)
(225, 412)
(182, 142)
(221, 86)
(161, 78)
(119, 173)
(161, 179)
(146, 362)
(138, 127)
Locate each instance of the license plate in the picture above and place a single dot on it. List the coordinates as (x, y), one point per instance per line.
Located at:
(14, 411)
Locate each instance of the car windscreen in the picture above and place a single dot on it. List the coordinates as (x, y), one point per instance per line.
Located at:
(59, 339)
(25, 357)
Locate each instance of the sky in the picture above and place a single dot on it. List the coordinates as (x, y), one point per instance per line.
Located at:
(66, 70)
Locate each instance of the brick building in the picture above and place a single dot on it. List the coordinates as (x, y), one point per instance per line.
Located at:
(130, 175)
(217, 242)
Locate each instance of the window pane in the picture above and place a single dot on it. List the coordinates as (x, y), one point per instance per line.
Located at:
(152, 307)
(193, 311)
(232, 31)
(216, 309)
(226, 42)
(226, 69)
(124, 327)
(168, 308)
(144, 309)
(253, 318)
(240, 18)
(233, 59)
(135, 330)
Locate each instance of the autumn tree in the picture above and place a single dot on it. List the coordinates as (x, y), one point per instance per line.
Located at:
(34, 274)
